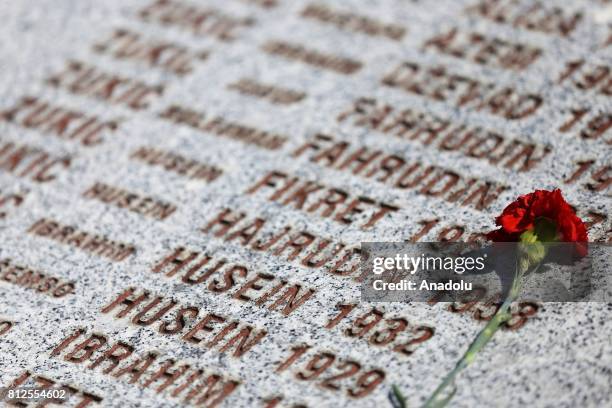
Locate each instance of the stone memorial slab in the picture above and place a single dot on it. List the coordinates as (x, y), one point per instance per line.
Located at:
(185, 186)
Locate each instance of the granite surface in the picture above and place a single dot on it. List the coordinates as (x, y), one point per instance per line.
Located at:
(561, 357)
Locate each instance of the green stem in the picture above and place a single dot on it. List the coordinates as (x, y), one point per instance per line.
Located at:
(437, 399)
(531, 253)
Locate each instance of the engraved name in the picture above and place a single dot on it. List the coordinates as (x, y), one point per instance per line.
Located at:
(440, 84)
(312, 57)
(287, 242)
(587, 76)
(176, 163)
(445, 135)
(131, 201)
(85, 241)
(272, 93)
(223, 128)
(28, 278)
(397, 172)
(266, 4)
(82, 79)
(593, 176)
(125, 44)
(238, 281)
(68, 124)
(353, 22)
(31, 162)
(122, 361)
(327, 202)
(201, 21)
(592, 126)
(212, 330)
(484, 50)
(535, 16)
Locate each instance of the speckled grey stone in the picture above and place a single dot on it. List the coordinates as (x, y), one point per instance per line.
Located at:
(562, 357)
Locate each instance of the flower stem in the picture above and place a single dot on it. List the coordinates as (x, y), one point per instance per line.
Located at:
(438, 399)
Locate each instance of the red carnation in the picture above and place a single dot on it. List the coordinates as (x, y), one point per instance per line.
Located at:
(523, 214)
(533, 219)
